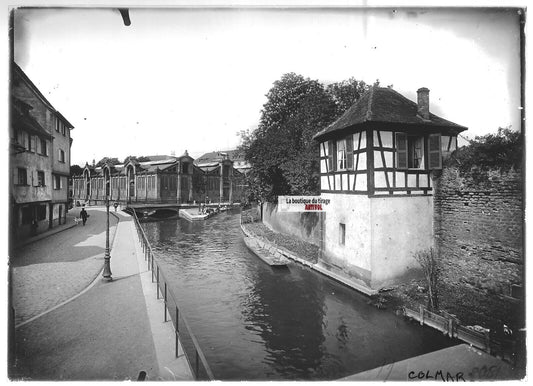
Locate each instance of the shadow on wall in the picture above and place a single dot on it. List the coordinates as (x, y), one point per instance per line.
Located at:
(308, 221)
(302, 225)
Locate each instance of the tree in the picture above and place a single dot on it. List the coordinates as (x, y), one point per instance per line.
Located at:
(112, 161)
(346, 93)
(281, 150)
(75, 170)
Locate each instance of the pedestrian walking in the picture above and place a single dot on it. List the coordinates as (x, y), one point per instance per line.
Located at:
(83, 215)
(115, 205)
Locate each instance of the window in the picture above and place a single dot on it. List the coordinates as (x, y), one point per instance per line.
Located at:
(415, 152)
(44, 150)
(63, 129)
(57, 124)
(58, 183)
(41, 212)
(341, 154)
(61, 156)
(40, 178)
(410, 152)
(22, 177)
(29, 140)
(342, 234)
(26, 215)
(185, 167)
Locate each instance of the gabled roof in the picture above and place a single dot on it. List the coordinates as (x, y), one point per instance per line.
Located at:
(385, 105)
(37, 92)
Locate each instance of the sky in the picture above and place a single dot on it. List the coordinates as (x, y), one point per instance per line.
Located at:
(191, 79)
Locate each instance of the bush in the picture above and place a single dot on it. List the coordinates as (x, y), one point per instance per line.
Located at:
(430, 262)
(503, 150)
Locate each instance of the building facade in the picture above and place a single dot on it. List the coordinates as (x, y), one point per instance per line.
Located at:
(377, 163)
(159, 179)
(40, 143)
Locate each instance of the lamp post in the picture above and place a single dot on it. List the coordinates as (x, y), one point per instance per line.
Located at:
(107, 256)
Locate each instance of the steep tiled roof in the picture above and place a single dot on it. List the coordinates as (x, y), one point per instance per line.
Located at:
(384, 105)
(18, 71)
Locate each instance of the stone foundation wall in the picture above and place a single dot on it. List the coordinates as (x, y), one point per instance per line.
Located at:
(478, 225)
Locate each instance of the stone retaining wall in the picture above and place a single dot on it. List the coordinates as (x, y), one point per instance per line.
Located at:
(306, 226)
(478, 226)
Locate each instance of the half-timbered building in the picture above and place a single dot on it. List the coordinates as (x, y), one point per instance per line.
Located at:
(377, 165)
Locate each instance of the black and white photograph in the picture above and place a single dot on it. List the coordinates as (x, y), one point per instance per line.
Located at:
(222, 191)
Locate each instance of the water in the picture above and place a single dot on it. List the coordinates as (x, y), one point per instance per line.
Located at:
(254, 322)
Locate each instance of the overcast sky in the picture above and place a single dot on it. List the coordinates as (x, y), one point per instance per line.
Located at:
(192, 78)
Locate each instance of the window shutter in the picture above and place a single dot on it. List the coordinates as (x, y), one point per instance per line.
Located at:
(401, 151)
(435, 157)
(349, 152)
(60, 182)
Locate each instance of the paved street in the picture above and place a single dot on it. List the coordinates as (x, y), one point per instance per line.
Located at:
(49, 271)
(104, 332)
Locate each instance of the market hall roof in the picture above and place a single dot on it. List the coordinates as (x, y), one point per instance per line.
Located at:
(387, 106)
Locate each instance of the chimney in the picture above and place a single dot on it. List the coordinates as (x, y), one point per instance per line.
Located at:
(423, 103)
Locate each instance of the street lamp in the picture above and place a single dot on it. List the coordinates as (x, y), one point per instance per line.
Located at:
(107, 255)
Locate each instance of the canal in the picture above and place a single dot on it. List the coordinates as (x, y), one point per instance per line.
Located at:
(254, 322)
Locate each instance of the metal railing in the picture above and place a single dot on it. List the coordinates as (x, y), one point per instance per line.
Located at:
(183, 333)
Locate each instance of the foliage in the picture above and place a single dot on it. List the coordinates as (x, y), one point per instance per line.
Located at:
(430, 262)
(281, 150)
(503, 150)
(345, 93)
(75, 170)
(112, 161)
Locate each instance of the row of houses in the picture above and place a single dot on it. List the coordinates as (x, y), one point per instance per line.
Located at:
(39, 155)
(214, 177)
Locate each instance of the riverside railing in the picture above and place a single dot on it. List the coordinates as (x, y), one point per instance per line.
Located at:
(183, 333)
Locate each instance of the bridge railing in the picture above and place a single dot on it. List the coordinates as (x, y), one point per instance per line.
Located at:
(183, 333)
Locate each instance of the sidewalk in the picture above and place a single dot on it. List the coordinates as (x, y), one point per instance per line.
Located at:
(104, 332)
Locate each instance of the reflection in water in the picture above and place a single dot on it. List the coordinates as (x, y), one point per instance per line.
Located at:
(254, 322)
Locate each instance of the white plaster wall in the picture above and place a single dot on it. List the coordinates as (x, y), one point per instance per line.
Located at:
(401, 226)
(379, 180)
(363, 140)
(361, 165)
(400, 179)
(378, 163)
(354, 211)
(386, 138)
(388, 159)
(361, 182)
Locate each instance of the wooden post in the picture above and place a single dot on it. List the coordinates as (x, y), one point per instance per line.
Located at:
(421, 308)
